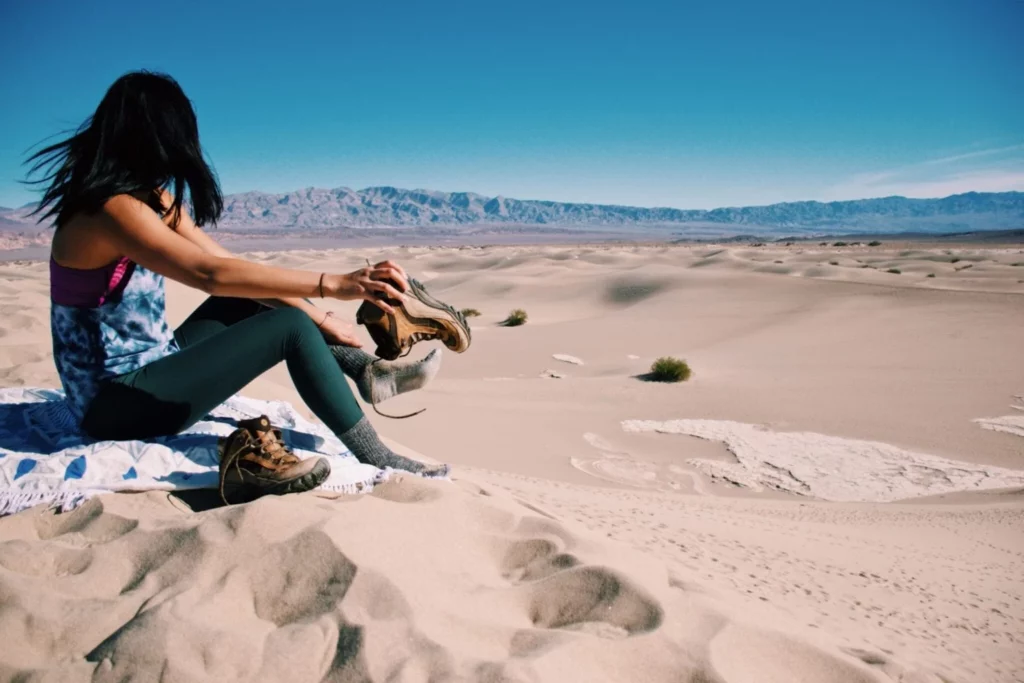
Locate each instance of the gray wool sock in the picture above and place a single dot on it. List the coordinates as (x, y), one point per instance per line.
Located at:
(364, 443)
(377, 382)
(353, 361)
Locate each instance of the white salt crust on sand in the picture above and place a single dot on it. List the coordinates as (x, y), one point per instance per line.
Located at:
(828, 467)
(1010, 424)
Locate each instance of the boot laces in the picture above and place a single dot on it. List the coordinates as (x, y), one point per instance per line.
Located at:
(265, 444)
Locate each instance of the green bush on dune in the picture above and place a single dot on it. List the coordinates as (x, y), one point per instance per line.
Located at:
(931, 274)
(668, 369)
(515, 318)
(894, 271)
(874, 243)
(470, 313)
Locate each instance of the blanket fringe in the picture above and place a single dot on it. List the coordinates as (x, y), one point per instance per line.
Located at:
(65, 501)
(11, 503)
(352, 488)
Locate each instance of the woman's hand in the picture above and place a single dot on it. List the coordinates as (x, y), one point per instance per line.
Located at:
(371, 284)
(338, 331)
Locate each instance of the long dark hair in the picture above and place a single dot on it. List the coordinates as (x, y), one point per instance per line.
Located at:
(143, 137)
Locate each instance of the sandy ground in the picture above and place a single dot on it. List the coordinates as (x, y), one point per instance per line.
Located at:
(836, 495)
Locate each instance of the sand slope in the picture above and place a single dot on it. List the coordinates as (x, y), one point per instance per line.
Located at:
(417, 581)
(572, 547)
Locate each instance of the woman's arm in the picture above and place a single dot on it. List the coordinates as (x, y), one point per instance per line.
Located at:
(187, 228)
(138, 233)
(334, 330)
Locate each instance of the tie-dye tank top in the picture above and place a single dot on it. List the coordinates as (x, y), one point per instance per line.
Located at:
(105, 322)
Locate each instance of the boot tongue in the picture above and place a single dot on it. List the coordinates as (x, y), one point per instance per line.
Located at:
(262, 429)
(256, 426)
(264, 432)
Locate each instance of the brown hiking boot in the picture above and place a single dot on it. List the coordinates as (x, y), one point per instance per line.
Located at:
(255, 462)
(419, 318)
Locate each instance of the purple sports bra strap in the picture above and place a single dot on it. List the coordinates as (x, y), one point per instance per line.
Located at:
(88, 287)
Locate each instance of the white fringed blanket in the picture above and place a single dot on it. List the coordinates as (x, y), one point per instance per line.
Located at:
(43, 458)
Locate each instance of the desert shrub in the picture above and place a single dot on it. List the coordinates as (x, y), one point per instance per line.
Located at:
(1018, 264)
(931, 274)
(954, 260)
(833, 263)
(969, 265)
(874, 243)
(840, 244)
(894, 271)
(470, 313)
(515, 318)
(668, 369)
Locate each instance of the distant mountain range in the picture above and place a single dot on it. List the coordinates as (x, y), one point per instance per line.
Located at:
(323, 211)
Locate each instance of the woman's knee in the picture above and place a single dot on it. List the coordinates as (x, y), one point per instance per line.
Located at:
(290, 316)
(297, 326)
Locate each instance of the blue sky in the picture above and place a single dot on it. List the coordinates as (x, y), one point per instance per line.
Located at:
(692, 105)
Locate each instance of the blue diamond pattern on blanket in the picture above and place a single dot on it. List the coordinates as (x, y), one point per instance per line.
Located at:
(76, 468)
(46, 460)
(24, 467)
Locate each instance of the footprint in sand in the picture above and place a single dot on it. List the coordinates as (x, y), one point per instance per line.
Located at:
(87, 525)
(287, 590)
(590, 599)
(533, 559)
(563, 594)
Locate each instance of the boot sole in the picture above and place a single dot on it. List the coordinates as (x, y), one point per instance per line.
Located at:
(252, 487)
(419, 310)
(425, 307)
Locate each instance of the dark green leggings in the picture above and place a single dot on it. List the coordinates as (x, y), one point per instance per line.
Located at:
(225, 344)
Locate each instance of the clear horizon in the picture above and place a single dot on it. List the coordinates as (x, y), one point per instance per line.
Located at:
(660, 106)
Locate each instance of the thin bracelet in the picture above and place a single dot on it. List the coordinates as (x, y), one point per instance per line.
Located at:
(322, 285)
(327, 315)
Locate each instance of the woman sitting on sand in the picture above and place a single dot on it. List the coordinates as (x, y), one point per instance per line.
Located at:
(120, 232)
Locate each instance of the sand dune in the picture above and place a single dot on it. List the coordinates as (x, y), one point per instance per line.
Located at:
(486, 589)
(570, 548)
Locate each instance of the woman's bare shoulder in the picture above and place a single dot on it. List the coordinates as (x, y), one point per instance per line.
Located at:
(84, 241)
